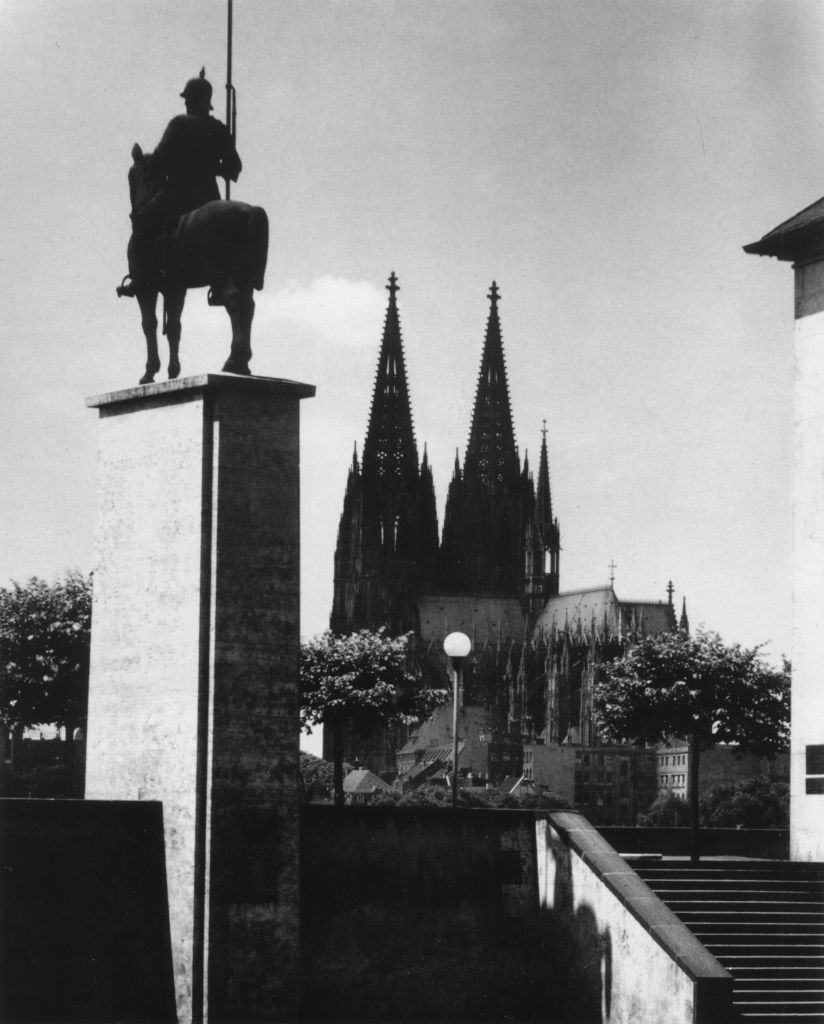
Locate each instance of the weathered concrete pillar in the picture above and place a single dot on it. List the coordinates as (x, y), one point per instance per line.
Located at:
(801, 240)
(194, 669)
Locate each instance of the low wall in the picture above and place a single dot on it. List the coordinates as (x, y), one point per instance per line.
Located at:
(624, 950)
(430, 914)
(84, 923)
(421, 914)
(761, 843)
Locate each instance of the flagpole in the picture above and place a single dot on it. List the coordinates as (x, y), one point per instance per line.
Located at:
(230, 90)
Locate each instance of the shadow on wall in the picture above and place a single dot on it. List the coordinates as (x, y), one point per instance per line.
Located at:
(423, 915)
(582, 952)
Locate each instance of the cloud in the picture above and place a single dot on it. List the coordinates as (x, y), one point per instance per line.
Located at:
(347, 313)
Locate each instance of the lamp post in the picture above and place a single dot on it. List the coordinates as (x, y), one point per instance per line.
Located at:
(456, 647)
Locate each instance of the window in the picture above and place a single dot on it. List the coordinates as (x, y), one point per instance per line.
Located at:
(814, 783)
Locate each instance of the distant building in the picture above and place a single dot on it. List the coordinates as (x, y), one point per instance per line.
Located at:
(614, 784)
(551, 767)
(360, 786)
(494, 574)
(720, 765)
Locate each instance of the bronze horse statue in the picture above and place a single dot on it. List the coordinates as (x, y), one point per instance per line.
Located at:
(221, 245)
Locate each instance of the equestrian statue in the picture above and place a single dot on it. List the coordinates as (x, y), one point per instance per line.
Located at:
(185, 236)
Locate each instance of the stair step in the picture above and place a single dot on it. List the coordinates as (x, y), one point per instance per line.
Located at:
(802, 885)
(743, 892)
(722, 949)
(763, 921)
(780, 995)
(756, 1017)
(785, 972)
(777, 1007)
(774, 1014)
(732, 961)
(752, 914)
(735, 930)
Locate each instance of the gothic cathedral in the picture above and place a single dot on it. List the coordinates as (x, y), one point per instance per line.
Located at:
(493, 574)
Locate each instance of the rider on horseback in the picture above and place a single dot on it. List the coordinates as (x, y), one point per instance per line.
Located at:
(195, 150)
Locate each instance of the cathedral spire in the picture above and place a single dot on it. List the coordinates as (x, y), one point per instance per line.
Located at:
(390, 449)
(491, 454)
(543, 498)
(388, 537)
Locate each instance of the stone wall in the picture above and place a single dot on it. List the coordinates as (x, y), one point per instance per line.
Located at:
(429, 914)
(84, 923)
(624, 953)
(421, 914)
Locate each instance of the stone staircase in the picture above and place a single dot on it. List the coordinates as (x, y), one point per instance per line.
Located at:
(763, 920)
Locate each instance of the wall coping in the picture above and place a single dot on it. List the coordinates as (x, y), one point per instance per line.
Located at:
(172, 389)
(634, 893)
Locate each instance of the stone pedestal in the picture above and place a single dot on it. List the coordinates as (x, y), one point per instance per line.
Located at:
(194, 670)
(801, 239)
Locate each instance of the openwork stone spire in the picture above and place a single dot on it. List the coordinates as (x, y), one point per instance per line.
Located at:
(489, 505)
(388, 533)
(390, 450)
(491, 455)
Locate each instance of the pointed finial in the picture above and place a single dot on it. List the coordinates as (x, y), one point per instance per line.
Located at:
(202, 72)
(393, 287)
(494, 295)
(543, 431)
(670, 591)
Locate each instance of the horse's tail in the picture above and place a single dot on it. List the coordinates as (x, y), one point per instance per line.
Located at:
(258, 244)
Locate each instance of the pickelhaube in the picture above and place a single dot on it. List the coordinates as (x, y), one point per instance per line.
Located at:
(198, 89)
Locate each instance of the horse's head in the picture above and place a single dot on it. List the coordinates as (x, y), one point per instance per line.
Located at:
(144, 182)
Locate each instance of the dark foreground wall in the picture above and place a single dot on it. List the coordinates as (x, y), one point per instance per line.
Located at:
(84, 925)
(422, 914)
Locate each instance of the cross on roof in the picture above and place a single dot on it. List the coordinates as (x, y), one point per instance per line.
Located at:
(670, 591)
(393, 287)
(612, 567)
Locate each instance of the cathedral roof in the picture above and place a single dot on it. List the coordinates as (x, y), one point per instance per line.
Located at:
(485, 618)
(601, 608)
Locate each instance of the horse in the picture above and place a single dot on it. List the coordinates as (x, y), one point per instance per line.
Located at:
(221, 245)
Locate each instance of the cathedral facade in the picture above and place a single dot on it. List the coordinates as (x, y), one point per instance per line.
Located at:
(492, 573)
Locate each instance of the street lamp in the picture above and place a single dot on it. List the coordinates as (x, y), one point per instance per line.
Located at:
(456, 647)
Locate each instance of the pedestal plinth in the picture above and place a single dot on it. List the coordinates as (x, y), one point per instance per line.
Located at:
(194, 669)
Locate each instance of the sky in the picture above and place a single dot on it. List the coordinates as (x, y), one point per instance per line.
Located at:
(604, 162)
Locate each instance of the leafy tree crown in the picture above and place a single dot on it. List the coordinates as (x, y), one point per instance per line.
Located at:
(682, 685)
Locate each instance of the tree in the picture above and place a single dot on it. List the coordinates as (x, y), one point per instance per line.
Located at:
(760, 802)
(362, 680)
(698, 688)
(666, 811)
(45, 632)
